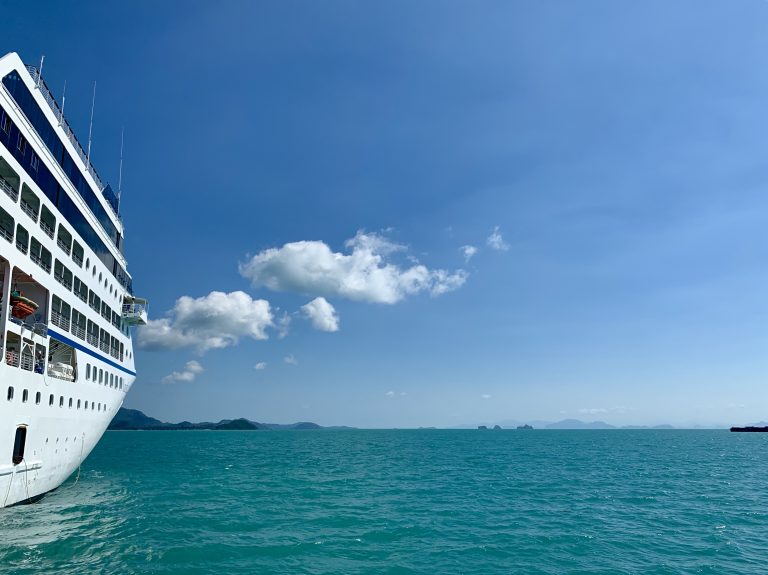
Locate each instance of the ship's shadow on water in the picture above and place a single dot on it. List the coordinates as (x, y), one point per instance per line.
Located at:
(328, 502)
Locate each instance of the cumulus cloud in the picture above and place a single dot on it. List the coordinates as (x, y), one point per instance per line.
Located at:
(496, 242)
(364, 274)
(214, 321)
(291, 360)
(468, 252)
(260, 366)
(191, 370)
(322, 314)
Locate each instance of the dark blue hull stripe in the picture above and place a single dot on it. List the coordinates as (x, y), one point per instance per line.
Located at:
(81, 347)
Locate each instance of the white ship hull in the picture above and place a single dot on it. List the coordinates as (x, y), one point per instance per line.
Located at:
(66, 306)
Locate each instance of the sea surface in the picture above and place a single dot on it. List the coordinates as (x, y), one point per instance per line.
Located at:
(400, 502)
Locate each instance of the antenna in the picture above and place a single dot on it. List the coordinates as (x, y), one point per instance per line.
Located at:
(90, 127)
(40, 70)
(63, 101)
(120, 179)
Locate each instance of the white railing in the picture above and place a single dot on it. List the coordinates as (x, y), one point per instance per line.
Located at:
(104, 346)
(93, 340)
(46, 228)
(78, 331)
(39, 261)
(8, 189)
(60, 320)
(27, 361)
(12, 358)
(63, 245)
(78, 259)
(27, 209)
(6, 234)
(22, 247)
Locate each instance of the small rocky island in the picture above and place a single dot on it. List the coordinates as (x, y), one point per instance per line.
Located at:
(526, 426)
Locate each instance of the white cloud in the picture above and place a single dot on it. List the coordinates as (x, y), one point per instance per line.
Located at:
(390, 394)
(260, 366)
(592, 410)
(486, 396)
(191, 370)
(214, 321)
(364, 274)
(322, 314)
(282, 325)
(468, 252)
(291, 360)
(496, 242)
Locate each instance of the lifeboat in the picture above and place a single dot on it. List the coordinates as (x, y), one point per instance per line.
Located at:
(22, 306)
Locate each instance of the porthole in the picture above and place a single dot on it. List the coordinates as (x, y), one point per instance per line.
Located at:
(61, 401)
(99, 277)
(87, 371)
(87, 263)
(25, 396)
(37, 398)
(94, 271)
(78, 404)
(93, 405)
(10, 393)
(50, 400)
(101, 376)
(86, 404)
(70, 403)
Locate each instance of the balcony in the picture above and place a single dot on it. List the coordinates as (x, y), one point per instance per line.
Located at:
(60, 320)
(93, 340)
(78, 331)
(135, 311)
(8, 189)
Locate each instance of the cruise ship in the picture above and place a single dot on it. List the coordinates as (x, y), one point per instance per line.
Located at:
(67, 305)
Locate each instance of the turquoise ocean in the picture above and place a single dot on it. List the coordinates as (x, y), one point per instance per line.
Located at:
(420, 501)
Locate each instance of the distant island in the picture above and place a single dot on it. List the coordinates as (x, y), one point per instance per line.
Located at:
(562, 424)
(133, 420)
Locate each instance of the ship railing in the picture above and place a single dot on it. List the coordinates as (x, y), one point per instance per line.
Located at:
(63, 245)
(104, 346)
(83, 297)
(46, 228)
(93, 340)
(12, 358)
(21, 246)
(78, 331)
(60, 320)
(114, 352)
(39, 261)
(59, 113)
(29, 210)
(27, 361)
(6, 234)
(9, 189)
(77, 258)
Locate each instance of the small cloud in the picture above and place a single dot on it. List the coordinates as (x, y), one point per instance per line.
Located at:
(282, 325)
(486, 396)
(390, 394)
(191, 370)
(403, 394)
(322, 314)
(496, 242)
(592, 410)
(261, 365)
(468, 252)
(291, 360)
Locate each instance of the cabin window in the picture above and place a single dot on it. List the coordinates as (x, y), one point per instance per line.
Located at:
(101, 376)
(64, 239)
(87, 371)
(19, 443)
(10, 393)
(22, 239)
(80, 289)
(37, 398)
(40, 255)
(30, 203)
(6, 225)
(78, 404)
(61, 401)
(25, 396)
(47, 221)
(70, 403)
(77, 253)
(86, 404)
(50, 400)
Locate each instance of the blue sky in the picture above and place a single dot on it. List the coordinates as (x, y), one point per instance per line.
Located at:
(606, 159)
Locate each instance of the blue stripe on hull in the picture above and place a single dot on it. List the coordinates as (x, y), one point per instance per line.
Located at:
(81, 347)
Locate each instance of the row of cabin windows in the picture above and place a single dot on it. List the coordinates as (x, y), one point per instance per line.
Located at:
(103, 377)
(75, 322)
(52, 400)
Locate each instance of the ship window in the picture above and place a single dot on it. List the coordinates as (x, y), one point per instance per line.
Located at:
(62, 274)
(50, 400)
(101, 376)
(19, 442)
(39, 254)
(94, 301)
(64, 239)
(87, 371)
(78, 324)
(25, 396)
(111, 380)
(34, 161)
(10, 393)
(87, 263)
(70, 403)
(21, 144)
(93, 405)
(30, 203)
(47, 221)
(86, 404)
(37, 398)
(80, 289)
(99, 277)
(6, 225)
(61, 401)
(78, 404)
(77, 253)
(6, 123)
(22, 239)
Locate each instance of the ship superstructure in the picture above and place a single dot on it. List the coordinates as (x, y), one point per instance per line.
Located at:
(67, 303)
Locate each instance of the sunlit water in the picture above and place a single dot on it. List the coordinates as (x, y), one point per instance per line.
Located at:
(588, 502)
